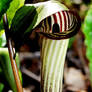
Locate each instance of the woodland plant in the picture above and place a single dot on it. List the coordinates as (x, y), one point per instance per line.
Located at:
(56, 24)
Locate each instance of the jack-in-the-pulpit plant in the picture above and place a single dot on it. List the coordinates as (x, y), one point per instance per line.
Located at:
(57, 24)
(61, 25)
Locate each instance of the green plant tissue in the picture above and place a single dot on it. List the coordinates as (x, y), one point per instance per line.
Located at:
(4, 5)
(1, 87)
(2, 38)
(11, 9)
(7, 68)
(87, 29)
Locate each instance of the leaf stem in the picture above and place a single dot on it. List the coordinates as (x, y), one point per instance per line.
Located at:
(11, 54)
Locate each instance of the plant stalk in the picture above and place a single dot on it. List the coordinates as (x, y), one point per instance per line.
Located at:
(12, 55)
(53, 57)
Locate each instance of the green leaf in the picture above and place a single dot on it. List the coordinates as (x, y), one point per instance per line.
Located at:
(6, 67)
(4, 5)
(2, 38)
(14, 6)
(87, 29)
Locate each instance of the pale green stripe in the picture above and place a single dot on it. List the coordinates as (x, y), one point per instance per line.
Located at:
(61, 66)
(43, 46)
(42, 52)
(52, 64)
(49, 55)
(57, 73)
(46, 62)
(51, 60)
(61, 48)
(57, 51)
(45, 52)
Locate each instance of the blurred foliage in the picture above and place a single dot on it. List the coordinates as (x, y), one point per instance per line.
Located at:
(87, 30)
(2, 38)
(6, 68)
(1, 24)
(71, 40)
(1, 87)
(87, 1)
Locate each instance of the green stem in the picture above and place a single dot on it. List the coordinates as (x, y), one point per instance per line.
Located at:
(53, 57)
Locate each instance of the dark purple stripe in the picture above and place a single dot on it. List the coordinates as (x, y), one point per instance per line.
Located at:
(55, 18)
(68, 19)
(60, 21)
(64, 20)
